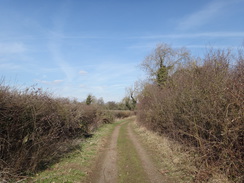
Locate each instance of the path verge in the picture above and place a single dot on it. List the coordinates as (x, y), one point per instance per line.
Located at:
(75, 166)
(171, 158)
(151, 170)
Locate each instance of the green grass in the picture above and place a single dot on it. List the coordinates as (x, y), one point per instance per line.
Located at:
(130, 166)
(75, 166)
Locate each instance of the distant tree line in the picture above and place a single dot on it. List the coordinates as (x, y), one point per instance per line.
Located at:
(127, 103)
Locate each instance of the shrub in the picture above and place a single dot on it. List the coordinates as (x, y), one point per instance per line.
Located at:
(122, 113)
(36, 128)
(202, 106)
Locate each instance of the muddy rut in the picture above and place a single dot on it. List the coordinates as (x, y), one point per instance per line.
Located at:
(124, 159)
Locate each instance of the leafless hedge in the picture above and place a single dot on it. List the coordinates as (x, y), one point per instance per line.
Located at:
(35, 128)
(202, 105)
(122, 113)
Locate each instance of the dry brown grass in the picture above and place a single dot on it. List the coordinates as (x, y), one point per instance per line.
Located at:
(174, 160)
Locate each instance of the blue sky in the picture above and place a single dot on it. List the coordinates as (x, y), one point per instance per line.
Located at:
(77, 47)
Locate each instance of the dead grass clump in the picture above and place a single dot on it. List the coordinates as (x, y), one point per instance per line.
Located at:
(202, 106)
(173, 159)
(36, 129)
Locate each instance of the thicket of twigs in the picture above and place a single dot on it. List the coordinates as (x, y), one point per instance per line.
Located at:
(122, 113)
(36, 128)
(202, 105)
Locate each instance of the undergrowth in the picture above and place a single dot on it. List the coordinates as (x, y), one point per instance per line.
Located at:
(36, 129)
(76, 165)
(201, 105)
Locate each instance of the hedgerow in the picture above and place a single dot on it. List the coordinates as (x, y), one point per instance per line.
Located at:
(36, 128)
(202, 106)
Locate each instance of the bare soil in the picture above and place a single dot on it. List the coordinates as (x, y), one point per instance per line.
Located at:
(106, 169)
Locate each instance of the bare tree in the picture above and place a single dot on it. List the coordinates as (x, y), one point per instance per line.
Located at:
(100, 101)
(162, 61)
(132, 95)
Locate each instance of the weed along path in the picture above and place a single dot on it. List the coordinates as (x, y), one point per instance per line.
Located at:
(124, 159)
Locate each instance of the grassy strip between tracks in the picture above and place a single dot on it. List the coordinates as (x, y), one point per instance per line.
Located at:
(130, 166)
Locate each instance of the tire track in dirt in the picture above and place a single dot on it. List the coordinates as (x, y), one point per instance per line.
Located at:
(106, 170)
(152, 172)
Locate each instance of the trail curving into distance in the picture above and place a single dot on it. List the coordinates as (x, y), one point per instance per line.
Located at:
(124, 159)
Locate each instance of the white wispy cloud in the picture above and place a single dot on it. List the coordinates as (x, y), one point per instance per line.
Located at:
(213, 46)
(54, 82)
(82, 72)
(57, 81)
(194, 35)
(69, 71)
(9, 66)
(82, 86)
(12, 48)
(205, 15)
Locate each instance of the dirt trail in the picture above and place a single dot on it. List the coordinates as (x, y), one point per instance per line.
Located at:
(106, 170)
(107, 166)
(152, 172)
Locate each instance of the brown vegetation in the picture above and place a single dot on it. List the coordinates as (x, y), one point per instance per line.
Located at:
(122, 113)
(36, 128)
(202, 105)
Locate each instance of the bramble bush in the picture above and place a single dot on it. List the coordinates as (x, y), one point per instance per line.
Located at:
(202, 106)
(36, 128)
